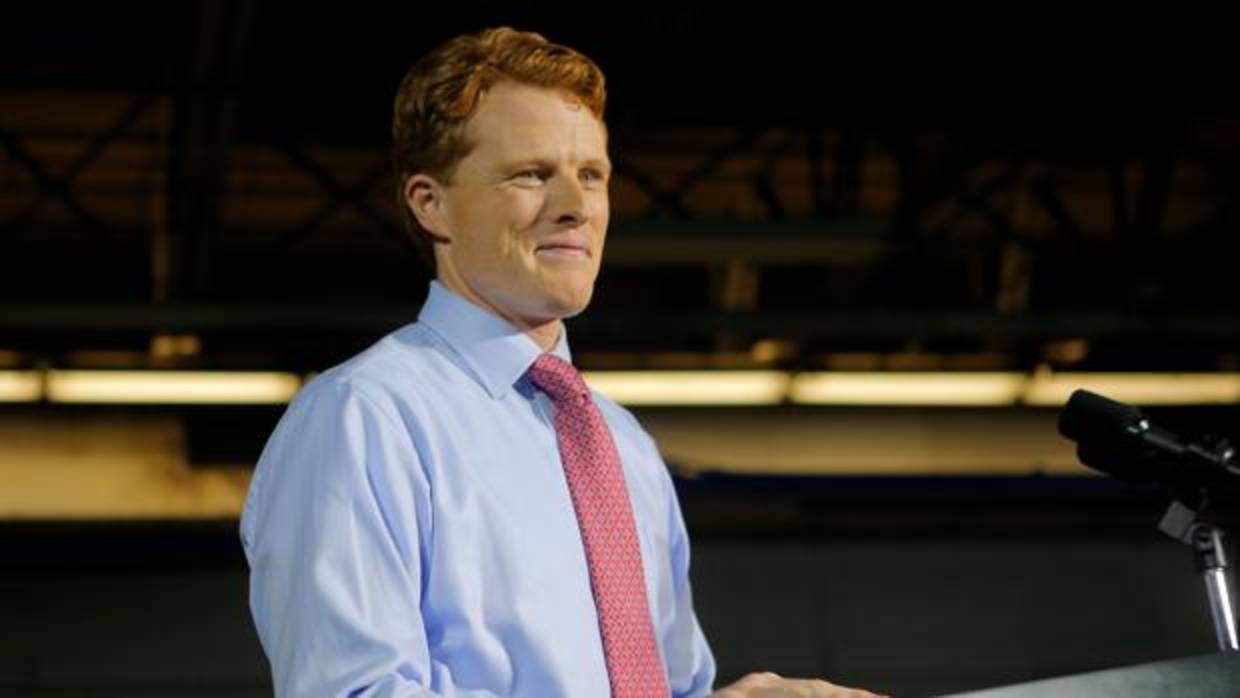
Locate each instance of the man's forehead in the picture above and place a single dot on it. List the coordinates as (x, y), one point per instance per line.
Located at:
(521, 118)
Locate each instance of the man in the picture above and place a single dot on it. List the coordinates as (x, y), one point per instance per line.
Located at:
(451, 512)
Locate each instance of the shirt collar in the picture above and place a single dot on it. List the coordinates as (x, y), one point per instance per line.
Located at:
(492, 349)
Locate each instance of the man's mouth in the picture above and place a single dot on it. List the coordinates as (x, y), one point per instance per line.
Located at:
(565, 251)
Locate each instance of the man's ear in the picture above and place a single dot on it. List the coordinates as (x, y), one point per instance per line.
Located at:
(424, 196)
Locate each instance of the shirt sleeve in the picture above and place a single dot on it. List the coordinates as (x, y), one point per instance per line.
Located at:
(331, 531)
(691, 666)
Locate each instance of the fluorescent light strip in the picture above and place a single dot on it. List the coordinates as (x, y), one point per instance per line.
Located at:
(1138, 388)
(668, 387)
(20, 386)
(912, 388)
(980, 389)
(174, 387)
(691, 387)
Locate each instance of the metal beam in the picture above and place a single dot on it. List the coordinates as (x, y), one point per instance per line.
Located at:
(86, 317)
(58, 188)
(203, 131)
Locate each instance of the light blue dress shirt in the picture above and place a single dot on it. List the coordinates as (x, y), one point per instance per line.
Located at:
(410, 532)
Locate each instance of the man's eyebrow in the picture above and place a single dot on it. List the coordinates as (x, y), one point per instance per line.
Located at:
(602, 163)
(532, 161)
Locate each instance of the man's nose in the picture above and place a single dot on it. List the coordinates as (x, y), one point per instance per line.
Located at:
(567, 201)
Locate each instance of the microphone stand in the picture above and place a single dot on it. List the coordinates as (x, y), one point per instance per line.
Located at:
(1208, 542)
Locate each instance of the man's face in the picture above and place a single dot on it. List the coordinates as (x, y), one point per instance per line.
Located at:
(526, 211)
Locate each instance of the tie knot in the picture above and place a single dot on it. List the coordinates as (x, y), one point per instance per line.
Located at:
(558, 379)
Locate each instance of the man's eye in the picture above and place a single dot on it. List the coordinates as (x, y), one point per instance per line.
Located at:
(530, 177)
(593, 176)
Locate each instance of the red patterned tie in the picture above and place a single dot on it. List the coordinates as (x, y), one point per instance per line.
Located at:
(601, 499)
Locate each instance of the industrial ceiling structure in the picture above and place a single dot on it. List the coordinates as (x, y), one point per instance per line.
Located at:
(206, 187)
(220, 171)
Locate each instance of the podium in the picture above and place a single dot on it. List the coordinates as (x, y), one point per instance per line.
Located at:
(1205, 676)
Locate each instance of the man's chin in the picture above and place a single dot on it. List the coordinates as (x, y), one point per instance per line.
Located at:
(565, 308)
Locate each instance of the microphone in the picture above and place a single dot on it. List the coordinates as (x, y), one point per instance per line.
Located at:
(1119, 440)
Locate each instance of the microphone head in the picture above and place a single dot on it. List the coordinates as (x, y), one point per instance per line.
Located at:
(1094, 417)
(1116, 439)
(1104, 432)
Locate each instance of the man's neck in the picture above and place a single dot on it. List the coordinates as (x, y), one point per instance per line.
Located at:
(545, 335)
